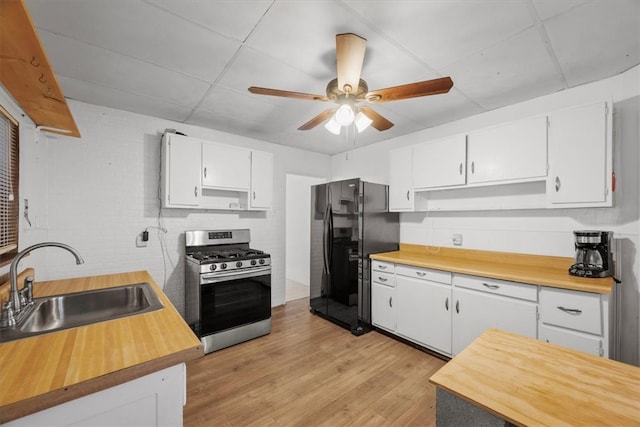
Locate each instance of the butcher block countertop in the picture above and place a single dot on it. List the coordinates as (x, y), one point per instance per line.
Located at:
(45, 370)
(530, 382)
(534, 269)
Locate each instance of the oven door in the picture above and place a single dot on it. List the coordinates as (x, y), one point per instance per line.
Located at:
(232, 299)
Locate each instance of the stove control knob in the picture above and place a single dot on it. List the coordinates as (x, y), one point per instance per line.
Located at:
(239, 264)
(223, 266)
(253, 262)
(213, 267)
(261, 261)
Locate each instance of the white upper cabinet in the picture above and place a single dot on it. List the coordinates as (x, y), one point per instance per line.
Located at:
(261, 194)
(511, 151)
(580, 157)
(440, 163)
(401, 180)
(180, 171)
(225, 166)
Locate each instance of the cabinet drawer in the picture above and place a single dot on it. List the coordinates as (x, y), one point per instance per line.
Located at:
(424, 273)
(497, 287)
(575, 340)
(387, 279)
(571, 309)
(382, 266)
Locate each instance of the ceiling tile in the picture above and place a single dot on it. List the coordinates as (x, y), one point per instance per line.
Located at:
(122, 100)
(607, 47)
(138, 30)
(548, 8)
(88, 63)
(511, 71)
(232, 18)
(441, 32)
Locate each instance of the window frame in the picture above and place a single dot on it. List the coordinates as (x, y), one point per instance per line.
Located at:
(13, 206)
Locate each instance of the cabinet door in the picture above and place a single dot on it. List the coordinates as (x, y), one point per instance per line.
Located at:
(261, 194)
(511, 151)
(423, 312)
(182, 171)
(382, 310)
(400, 180)
(440, 163)
(579, 157)
(474, 312)
(225, 167)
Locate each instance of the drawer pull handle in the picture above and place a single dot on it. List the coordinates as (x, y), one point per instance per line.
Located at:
(446, 304)
(382, 279)
(390, 302)
(421, 273)
(382, 267)
(493, 287)
(570, 310)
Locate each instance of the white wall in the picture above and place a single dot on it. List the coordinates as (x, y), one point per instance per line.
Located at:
(97, 193)
(298, 230)
(546, 232)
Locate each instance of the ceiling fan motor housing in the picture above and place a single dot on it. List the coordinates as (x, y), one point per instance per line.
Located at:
(336, 94)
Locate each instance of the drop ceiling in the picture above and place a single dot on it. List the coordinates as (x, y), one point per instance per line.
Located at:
(192, 61)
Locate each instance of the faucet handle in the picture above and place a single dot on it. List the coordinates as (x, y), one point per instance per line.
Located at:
(26, 294)
(7, 318)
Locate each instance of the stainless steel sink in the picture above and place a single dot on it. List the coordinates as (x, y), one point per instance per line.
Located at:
(66, 311)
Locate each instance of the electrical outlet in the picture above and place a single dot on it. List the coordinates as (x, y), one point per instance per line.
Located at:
(457, 239)
(139, 242)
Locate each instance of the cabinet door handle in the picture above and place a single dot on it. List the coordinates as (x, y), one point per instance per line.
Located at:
(254, 195)
(382, 267)
(382, 279)
(473, 167)
(461, 168)
(458, 306)
(557, 184)
(574, 311)
(195, 191)
(446, 304)
(407, 194)
(390, 302)
(421, 273)
(205, 172)
(493, 287)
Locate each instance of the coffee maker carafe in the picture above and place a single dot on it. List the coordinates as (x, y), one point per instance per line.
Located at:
(594, 256)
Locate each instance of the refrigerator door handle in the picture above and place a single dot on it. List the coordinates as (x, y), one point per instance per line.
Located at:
(325, 235)
(330, 239)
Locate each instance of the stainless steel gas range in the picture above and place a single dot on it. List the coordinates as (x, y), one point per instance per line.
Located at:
(227, 288)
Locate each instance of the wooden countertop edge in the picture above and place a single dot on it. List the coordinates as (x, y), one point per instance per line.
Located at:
(56, 397)
(555, 275)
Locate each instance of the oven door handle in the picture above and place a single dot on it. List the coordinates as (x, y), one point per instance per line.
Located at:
(234, 275)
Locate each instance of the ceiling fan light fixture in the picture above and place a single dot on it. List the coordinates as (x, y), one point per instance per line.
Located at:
(333, 126)
(362, 121)
(344, 115)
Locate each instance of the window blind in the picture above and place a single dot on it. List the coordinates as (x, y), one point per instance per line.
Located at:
(8, 185)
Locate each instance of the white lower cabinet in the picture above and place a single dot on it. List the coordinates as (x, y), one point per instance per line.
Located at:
(579, 320)
(481, 303)
(423, 306)
(156, 399)
(383, 291)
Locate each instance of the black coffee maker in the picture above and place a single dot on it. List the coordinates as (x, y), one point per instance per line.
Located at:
(594, 256)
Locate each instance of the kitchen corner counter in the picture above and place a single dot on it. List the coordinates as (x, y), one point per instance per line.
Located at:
(46, 370)
(533, 269)
(530, 382)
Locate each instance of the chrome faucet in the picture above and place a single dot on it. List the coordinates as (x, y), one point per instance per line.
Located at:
(19, 300)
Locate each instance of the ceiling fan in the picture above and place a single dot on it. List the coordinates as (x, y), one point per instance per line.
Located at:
(348, 90)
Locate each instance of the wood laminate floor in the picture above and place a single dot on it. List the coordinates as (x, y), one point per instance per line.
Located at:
(310, 372)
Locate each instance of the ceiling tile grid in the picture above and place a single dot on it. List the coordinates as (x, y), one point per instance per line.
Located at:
(192, 61)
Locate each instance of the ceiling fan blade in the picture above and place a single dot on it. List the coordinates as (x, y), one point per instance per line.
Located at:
(287, 94)
(350, 50)
(378, 122)
(318, 119)
(411, 90)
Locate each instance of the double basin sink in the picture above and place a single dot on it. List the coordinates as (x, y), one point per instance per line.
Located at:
(58, 312)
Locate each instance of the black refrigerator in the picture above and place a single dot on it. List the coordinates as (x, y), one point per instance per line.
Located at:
(349, 220)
